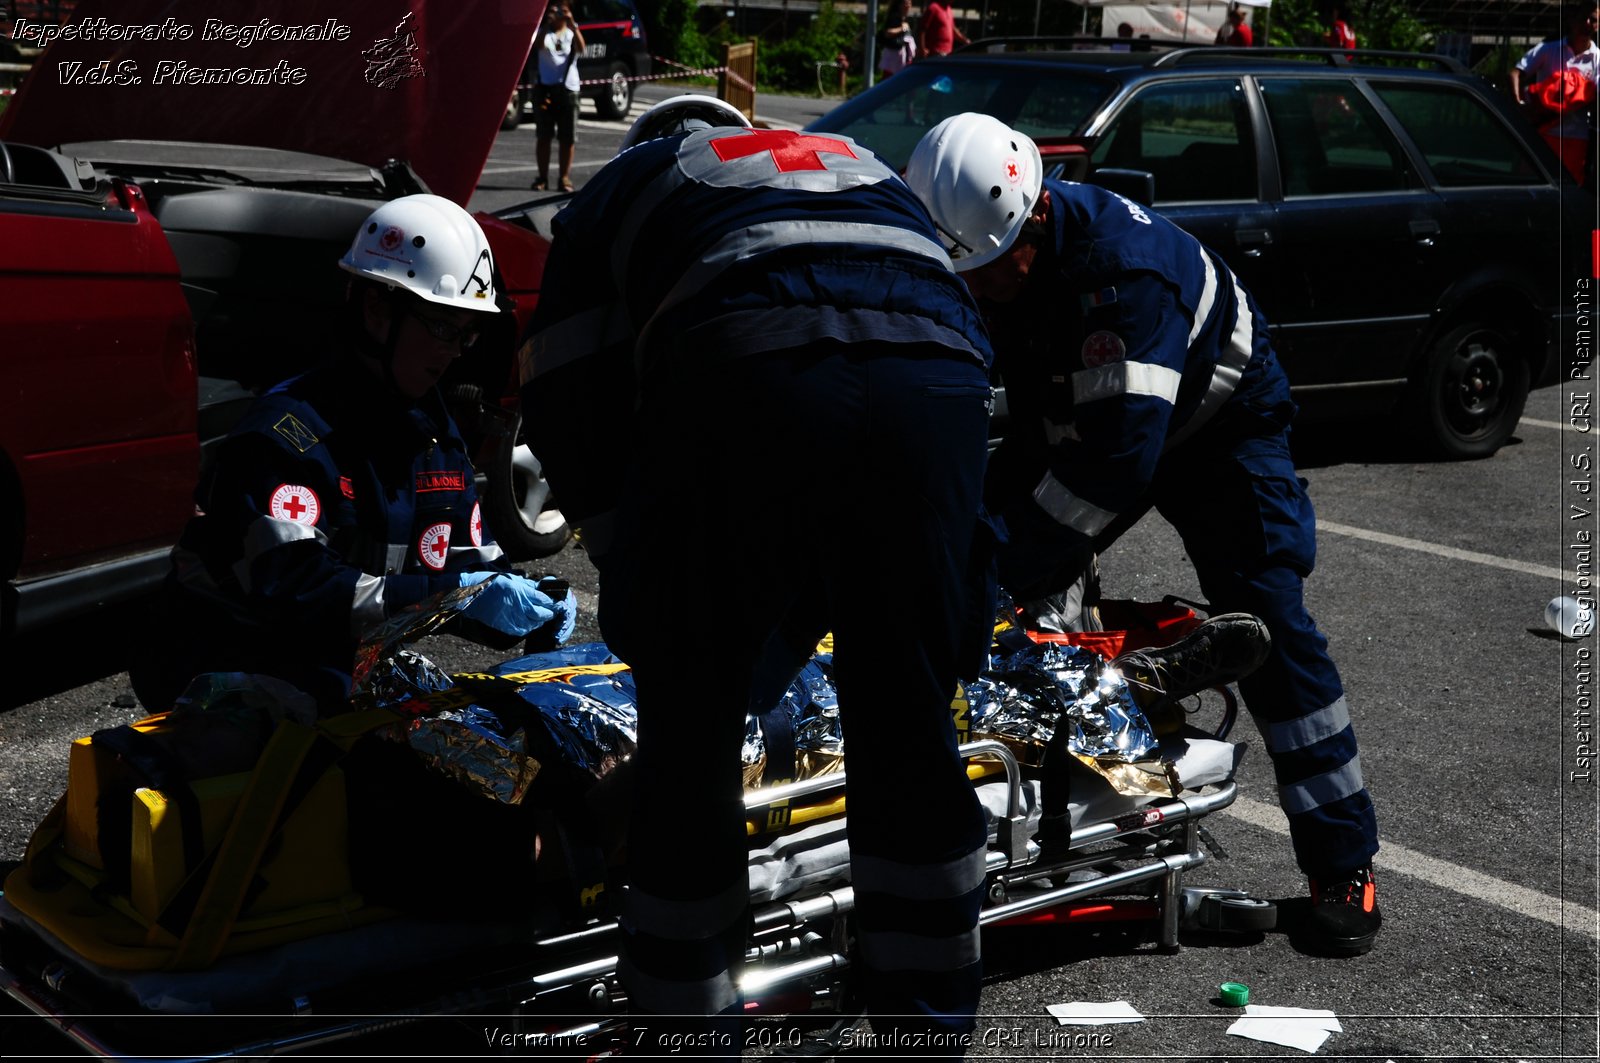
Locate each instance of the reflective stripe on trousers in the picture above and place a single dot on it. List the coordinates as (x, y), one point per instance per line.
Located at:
(1248, 525)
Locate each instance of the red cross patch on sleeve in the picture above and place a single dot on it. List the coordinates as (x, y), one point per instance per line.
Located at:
(434, 547)
(1103, 348)
(296, 504)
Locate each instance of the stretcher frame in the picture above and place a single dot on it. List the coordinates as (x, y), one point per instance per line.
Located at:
(563, 987)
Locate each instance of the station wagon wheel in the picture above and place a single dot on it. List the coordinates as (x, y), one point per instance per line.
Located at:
(518, 506)
(615, 101)
(1470, 392)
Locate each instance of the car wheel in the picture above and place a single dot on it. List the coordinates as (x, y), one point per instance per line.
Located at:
(617, 97)
(1470, 392)
(518, 506)
(513, 116)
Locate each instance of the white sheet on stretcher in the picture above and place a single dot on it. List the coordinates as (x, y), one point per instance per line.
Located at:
(799, 863)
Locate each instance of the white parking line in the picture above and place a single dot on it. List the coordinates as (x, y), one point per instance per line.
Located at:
(1445, 875)
(1560, 426)
(1386, 539)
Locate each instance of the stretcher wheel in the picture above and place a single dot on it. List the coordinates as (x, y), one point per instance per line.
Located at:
(1235, 914)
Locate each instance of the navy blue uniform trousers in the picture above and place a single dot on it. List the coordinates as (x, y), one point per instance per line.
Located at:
(840, 483)
(1248, 526)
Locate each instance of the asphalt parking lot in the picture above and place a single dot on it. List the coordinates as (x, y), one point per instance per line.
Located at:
(1474, 722)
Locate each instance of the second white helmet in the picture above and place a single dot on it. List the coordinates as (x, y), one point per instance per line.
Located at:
(678, 114)
(979, 179)
(428, 246)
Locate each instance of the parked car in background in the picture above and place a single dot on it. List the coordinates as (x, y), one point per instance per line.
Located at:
(615, 52)
(1397, 221)
(149, 300)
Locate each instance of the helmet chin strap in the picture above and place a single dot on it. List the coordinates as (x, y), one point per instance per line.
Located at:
(1038, 224)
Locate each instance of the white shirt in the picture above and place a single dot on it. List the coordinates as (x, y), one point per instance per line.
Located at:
(1549, 58)
(554, 51)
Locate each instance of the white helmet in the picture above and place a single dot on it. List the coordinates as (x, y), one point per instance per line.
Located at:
(428, 246)
(979, 179)
(679, 114)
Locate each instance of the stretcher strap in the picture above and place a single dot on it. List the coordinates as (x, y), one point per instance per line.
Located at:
(155, 767)
(203, 913)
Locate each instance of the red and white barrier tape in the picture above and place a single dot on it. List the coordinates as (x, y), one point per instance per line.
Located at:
(683, 72)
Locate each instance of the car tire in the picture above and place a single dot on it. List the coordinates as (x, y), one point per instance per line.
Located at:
(616, 97)
(1470, 392)
(517, 504)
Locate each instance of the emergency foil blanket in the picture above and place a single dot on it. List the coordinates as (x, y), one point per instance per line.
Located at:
(1045, 693)
(568, 717)
(806, 720)
(564, 718)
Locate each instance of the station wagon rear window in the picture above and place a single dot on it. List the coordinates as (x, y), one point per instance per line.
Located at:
(1465, 145)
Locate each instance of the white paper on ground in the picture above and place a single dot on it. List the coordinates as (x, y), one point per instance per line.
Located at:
(1092, 1013)
(1302, 1028)
(1317, 1018)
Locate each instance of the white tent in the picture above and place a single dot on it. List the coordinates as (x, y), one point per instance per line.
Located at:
(1196, 22)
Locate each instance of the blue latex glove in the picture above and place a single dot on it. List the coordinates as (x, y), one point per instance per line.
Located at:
(566, 604)
(511, 604)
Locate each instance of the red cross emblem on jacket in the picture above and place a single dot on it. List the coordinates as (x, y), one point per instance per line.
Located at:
(790, 150)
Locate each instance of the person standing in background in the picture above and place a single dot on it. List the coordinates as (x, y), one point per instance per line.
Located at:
(1339, 34)
(1235, 33)
(940, 34)
(897, 47)
(1567, 126)
(558, 44)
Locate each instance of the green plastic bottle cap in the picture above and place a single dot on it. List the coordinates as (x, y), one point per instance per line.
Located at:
(1234, 994)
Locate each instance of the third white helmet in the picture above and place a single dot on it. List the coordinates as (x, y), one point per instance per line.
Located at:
(979, 179)
(678, 114)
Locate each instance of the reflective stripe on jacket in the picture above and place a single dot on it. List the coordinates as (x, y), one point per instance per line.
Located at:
(1129, 337)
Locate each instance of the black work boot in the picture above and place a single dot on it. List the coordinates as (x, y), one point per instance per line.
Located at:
(1221, 650)
(1344, 914)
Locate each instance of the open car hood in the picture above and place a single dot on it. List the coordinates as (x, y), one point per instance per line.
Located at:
(423, 81)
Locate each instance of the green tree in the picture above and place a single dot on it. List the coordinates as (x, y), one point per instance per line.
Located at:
(1382, 24)
(789, 61)
(674, 32)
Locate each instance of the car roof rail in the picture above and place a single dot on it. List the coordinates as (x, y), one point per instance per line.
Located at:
(1332, 56)
(1066, 43)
